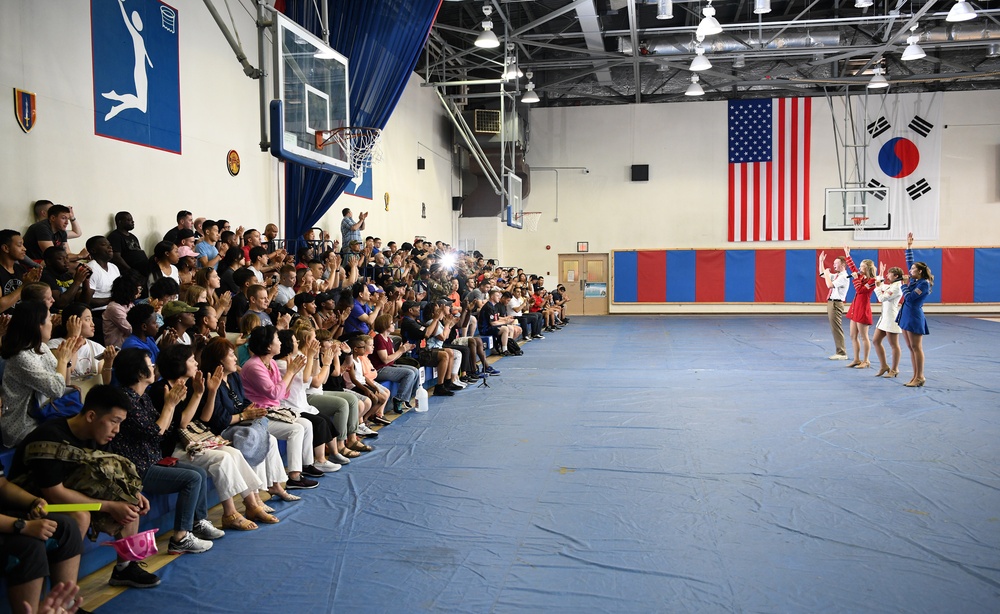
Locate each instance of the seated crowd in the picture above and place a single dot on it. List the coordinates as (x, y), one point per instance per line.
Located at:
(167, 370)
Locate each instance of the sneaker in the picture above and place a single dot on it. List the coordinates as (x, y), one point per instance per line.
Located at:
(380, 421)
(303, 483)
(133, 575)
(312, 471)
(442, 391)
(539, 336)
(339, 460)
(454, 386)
(188, 544)
(839, 357)
(491, 371)
(469, 379)
(527, 339)
(364, 431)
(328, 466)
(397, 407)
(204, 529)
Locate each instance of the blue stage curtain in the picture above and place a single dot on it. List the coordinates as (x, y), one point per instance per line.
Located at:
(382, 41)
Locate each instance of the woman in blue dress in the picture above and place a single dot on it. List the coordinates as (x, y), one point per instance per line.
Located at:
(916, 288)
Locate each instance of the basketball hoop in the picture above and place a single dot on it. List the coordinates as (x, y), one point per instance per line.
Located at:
(530, 219)
(362, 146)
(859, 223)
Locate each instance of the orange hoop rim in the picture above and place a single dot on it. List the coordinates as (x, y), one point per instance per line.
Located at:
(325, 137)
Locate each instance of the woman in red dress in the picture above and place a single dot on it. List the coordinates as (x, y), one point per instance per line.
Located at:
(860, 313)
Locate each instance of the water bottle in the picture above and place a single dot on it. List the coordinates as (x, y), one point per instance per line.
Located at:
(422, 404)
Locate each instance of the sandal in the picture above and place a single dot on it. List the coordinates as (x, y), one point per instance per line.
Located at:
(284, 496)
(349, 453)
(258, 514)
(237, 522)
(267, 508)
(357, 446)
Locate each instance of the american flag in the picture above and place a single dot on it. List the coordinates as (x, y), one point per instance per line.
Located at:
(769, 142)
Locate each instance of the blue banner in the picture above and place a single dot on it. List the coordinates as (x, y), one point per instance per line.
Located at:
(137, 92)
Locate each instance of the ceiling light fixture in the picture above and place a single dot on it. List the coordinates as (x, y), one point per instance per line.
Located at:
(761, 6)
(512, 72)
(913, 51)
(878, 81)
(709, 24)
(863, 4)
(739, 61)
(529, 97)
(665, 9)
(961, 11)
(694, 89)
(700, 62)
(487, 39)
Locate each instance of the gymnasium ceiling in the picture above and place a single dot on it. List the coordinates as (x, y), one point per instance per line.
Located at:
(580, 51)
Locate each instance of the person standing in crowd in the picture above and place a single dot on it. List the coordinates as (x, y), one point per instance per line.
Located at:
(350, 230)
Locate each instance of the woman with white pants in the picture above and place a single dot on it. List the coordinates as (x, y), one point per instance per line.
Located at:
(266, 387)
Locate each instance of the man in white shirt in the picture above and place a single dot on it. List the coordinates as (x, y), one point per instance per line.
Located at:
(838, 282)
(104, 273)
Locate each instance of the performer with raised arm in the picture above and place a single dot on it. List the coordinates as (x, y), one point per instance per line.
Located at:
(837, 282)
(860, 313)
(887, 289)
(916, 288)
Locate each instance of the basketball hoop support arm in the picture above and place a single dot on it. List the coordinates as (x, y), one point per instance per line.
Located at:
(241, 56)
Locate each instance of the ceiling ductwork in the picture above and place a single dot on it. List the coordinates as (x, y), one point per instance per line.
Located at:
(683, 44)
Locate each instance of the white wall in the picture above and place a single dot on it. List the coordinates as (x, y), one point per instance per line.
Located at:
(684, 205)
(416, 129)
(45, 48)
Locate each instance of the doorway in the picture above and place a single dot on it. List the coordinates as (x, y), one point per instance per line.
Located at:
(586, 279)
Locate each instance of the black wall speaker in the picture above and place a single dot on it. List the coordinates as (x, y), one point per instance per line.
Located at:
(420, 164)
(456, 203)
(640, 172)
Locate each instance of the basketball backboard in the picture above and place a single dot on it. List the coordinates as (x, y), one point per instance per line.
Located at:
(856, 209)
(515, 206)
(311, 93)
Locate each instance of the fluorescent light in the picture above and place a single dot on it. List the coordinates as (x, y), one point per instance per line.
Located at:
(694, 89)
(761, 6)
(961, 11)
(863, 4)
(665, 9)
(709, 25)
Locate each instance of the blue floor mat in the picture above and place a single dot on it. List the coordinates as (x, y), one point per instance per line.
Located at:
(651, 464)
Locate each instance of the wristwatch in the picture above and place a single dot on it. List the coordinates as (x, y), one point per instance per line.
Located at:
(19, 525)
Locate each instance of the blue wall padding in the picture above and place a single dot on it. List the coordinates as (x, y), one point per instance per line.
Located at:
(800, 276)
(740, 272)
(626, 277)
(933, 259)
(987, 282)
(680, 276)
(800, 282)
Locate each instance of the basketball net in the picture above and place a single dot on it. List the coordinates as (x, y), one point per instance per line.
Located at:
(859, 223)
(530, 219)
(362, 146)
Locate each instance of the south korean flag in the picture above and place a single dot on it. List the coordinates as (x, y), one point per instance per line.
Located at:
(904, 154)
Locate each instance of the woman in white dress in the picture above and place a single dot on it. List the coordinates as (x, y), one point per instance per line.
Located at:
(888, 290)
